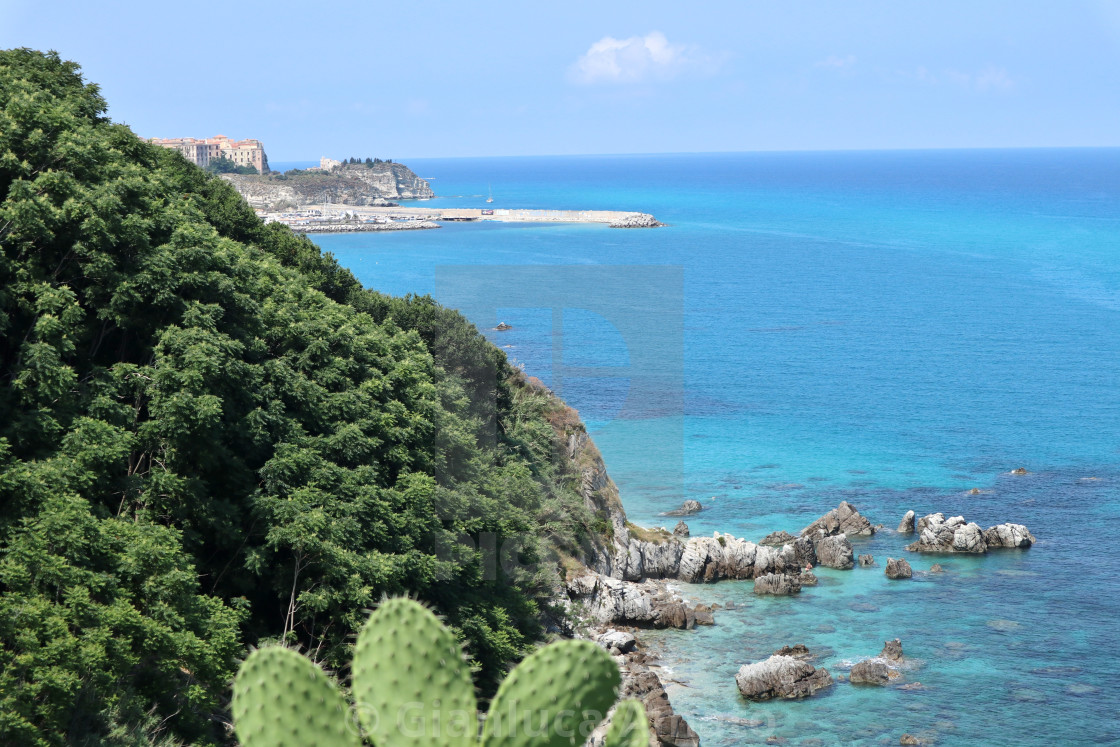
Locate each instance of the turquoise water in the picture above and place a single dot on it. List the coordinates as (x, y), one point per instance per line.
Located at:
(891, 329)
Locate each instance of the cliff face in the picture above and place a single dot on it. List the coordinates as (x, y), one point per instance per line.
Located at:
(610, 600)
(350, 184)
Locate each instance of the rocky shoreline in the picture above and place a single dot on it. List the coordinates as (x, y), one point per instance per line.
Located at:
(622, 586)
(347, 184)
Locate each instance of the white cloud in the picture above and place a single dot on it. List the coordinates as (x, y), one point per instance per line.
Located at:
(637, 58)
(993, 79)
(835, 61)
(990, 79)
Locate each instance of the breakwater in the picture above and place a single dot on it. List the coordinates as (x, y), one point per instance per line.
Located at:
(336, 218)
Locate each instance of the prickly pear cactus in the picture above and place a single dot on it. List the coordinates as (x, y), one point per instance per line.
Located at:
(629, 726)
(283, 698)
(412, 688)
(411, 685)
(553, 698)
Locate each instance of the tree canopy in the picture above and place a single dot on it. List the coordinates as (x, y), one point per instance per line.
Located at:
(211, 436)
(223, 165)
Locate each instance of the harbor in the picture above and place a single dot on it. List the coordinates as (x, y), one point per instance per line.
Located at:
(347, 218)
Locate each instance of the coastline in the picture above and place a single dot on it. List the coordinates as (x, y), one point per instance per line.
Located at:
(781, 294)
(410, 225)
(334, 218)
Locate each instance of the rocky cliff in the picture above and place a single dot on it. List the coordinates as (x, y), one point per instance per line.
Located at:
(349, 184)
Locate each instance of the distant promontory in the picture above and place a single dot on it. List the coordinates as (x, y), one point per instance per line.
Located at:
(364, 184)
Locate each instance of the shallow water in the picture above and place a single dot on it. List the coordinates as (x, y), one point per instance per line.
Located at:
(891, 329)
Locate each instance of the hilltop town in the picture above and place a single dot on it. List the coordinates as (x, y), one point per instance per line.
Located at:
(206, 151)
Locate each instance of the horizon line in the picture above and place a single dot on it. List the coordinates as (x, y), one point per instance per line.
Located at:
(753, 152)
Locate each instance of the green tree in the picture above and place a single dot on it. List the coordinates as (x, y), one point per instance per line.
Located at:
(211, 436)
(224, 165)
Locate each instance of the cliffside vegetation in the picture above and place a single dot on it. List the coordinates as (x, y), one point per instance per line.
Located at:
(212, 436)
(223, 165)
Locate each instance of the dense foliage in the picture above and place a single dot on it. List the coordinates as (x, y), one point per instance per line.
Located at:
(211, 436)
(223, 165)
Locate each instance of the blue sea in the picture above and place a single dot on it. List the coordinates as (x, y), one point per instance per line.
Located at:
(894, 329)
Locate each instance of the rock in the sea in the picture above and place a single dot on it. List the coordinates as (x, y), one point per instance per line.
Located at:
(635, 220)
(777, 583)
(844, 519)
(898, 568)
(909, 740)
(870, 672)
(1008, 535)
(777, 539)
(688, 508)
(807, 578)
(781, 677)
(834, 551)
(892, 650)
(936, 568)
(681, 529)
(726, 556)
(938, 534)
(906, 526)
(703, 615)
(929, 519)
(797, 651)
(804, 551)
(866, 561)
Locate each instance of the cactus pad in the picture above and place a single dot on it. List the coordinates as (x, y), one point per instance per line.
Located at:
(629, 726)
(411, 685)
(554, 698)
(283, 698)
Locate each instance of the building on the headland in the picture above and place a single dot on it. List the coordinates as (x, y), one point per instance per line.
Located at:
(202, 152)
(326, 164)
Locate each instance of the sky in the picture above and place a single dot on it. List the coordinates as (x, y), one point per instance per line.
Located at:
(439, 79)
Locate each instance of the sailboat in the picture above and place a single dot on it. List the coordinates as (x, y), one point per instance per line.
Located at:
(491, 193)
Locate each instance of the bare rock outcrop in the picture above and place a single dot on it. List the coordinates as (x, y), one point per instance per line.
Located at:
(1008, 536)
(797, 651)
(892, 650)
(724, 556)
(617, 642)
(688, 508)
(640, 682)
(704, 615)
(681, 529)
(906, 526)
(636, 220)
(668, 727)
(781, 677)
(611, 601)
(351, 184)
(777, 583)
(777, 539)
(938, 534)
(870, 672)
(844, 519)
(898, 568)
(866, 561)
(835, 551)
(642, 559)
